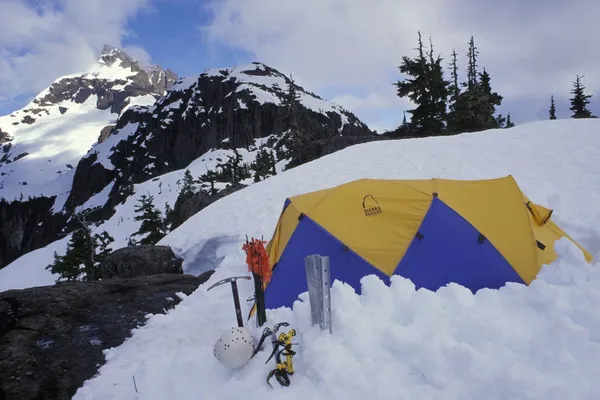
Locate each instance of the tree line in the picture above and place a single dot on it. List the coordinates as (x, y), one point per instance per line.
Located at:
(452, 106)
(86, 251)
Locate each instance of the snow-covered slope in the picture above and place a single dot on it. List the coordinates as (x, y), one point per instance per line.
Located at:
(41, 144)
(541, 341)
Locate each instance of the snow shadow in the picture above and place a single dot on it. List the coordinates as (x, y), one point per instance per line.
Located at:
(209, 254)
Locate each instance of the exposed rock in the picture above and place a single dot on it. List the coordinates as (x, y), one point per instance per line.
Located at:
(199, 115)
(186, 206)
(62, 109)
(28, 119)
(4, 137)
(27, 225)
(62, 330)
(133, 261)
(105, 133)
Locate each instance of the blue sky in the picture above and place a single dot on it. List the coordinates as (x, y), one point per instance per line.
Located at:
(346, 51)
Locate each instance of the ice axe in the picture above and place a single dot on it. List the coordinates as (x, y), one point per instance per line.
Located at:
(236, 297)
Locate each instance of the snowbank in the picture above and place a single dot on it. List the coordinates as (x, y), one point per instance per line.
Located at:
(535, 342)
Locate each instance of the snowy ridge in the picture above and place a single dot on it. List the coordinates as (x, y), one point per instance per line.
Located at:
(268, 85)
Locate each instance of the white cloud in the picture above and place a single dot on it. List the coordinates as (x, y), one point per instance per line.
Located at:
(41, 41)
(531, 49)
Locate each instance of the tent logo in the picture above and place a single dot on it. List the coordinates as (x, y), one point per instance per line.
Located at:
(371, 206)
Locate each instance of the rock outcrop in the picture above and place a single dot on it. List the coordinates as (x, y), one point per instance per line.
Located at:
(142, 260)
(27, 225)
(61, 331)
(111, 93)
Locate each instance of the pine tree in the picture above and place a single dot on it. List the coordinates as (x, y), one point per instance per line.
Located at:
(509, 123)
(489, 101)
(552, 111)
(454, 90)
(234, 169)
(211, 177)
(85, 252)
(426, 88)
(188, 188)
(152, 222)
(296, 140)
(580, 100)
(263, 165)
(476, 106)
(438, 93)
(168, 217)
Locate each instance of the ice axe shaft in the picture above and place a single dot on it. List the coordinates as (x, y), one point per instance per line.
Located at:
(236, 297)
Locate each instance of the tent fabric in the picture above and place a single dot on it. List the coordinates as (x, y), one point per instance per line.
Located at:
(478, 233)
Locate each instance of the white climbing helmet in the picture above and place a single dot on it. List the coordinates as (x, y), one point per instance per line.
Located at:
(234, 348)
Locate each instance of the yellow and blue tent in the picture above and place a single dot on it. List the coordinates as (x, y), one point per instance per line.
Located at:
(477, 233)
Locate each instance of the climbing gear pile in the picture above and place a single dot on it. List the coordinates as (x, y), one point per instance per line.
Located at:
(282, 346)
(285, 368)
(258, 263)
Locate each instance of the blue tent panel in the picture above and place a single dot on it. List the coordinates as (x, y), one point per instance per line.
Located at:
(289, 276)
(447, 249)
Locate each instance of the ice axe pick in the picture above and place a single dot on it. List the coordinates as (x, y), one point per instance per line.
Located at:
(236, 297)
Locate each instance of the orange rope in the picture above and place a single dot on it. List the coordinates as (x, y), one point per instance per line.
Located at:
(257, 259)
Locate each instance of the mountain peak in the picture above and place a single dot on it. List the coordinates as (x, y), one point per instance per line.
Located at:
(113, 55)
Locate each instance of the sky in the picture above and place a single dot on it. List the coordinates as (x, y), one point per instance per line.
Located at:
(346, 51)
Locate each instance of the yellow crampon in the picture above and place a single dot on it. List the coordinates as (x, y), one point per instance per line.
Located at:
(285, 368)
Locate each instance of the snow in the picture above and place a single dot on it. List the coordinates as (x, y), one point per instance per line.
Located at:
(102, 71)
(104, 150)
(56, 142)
(99, 199)
(29, 269)
(145, 100)
(526, 342)
(274, 80)
(52, 143)
(185, 83)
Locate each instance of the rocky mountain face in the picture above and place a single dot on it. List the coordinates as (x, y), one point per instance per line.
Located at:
(41, 144)
(232, 108)
(114, 90)
(220, 109)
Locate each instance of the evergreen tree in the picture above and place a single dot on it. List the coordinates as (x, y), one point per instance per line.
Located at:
(476, 106)
(509, 123)
(152, 222)
(454, 90)
(438, 92)
(234, 170)
(580, 100)
(168, 217)
(85, 252)
(489, 101)
(297, 140)
(552, 111)
(501, 121)
(188, 188)
(426, 88)
(472, 66)
(211, 177)
(263, 165)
